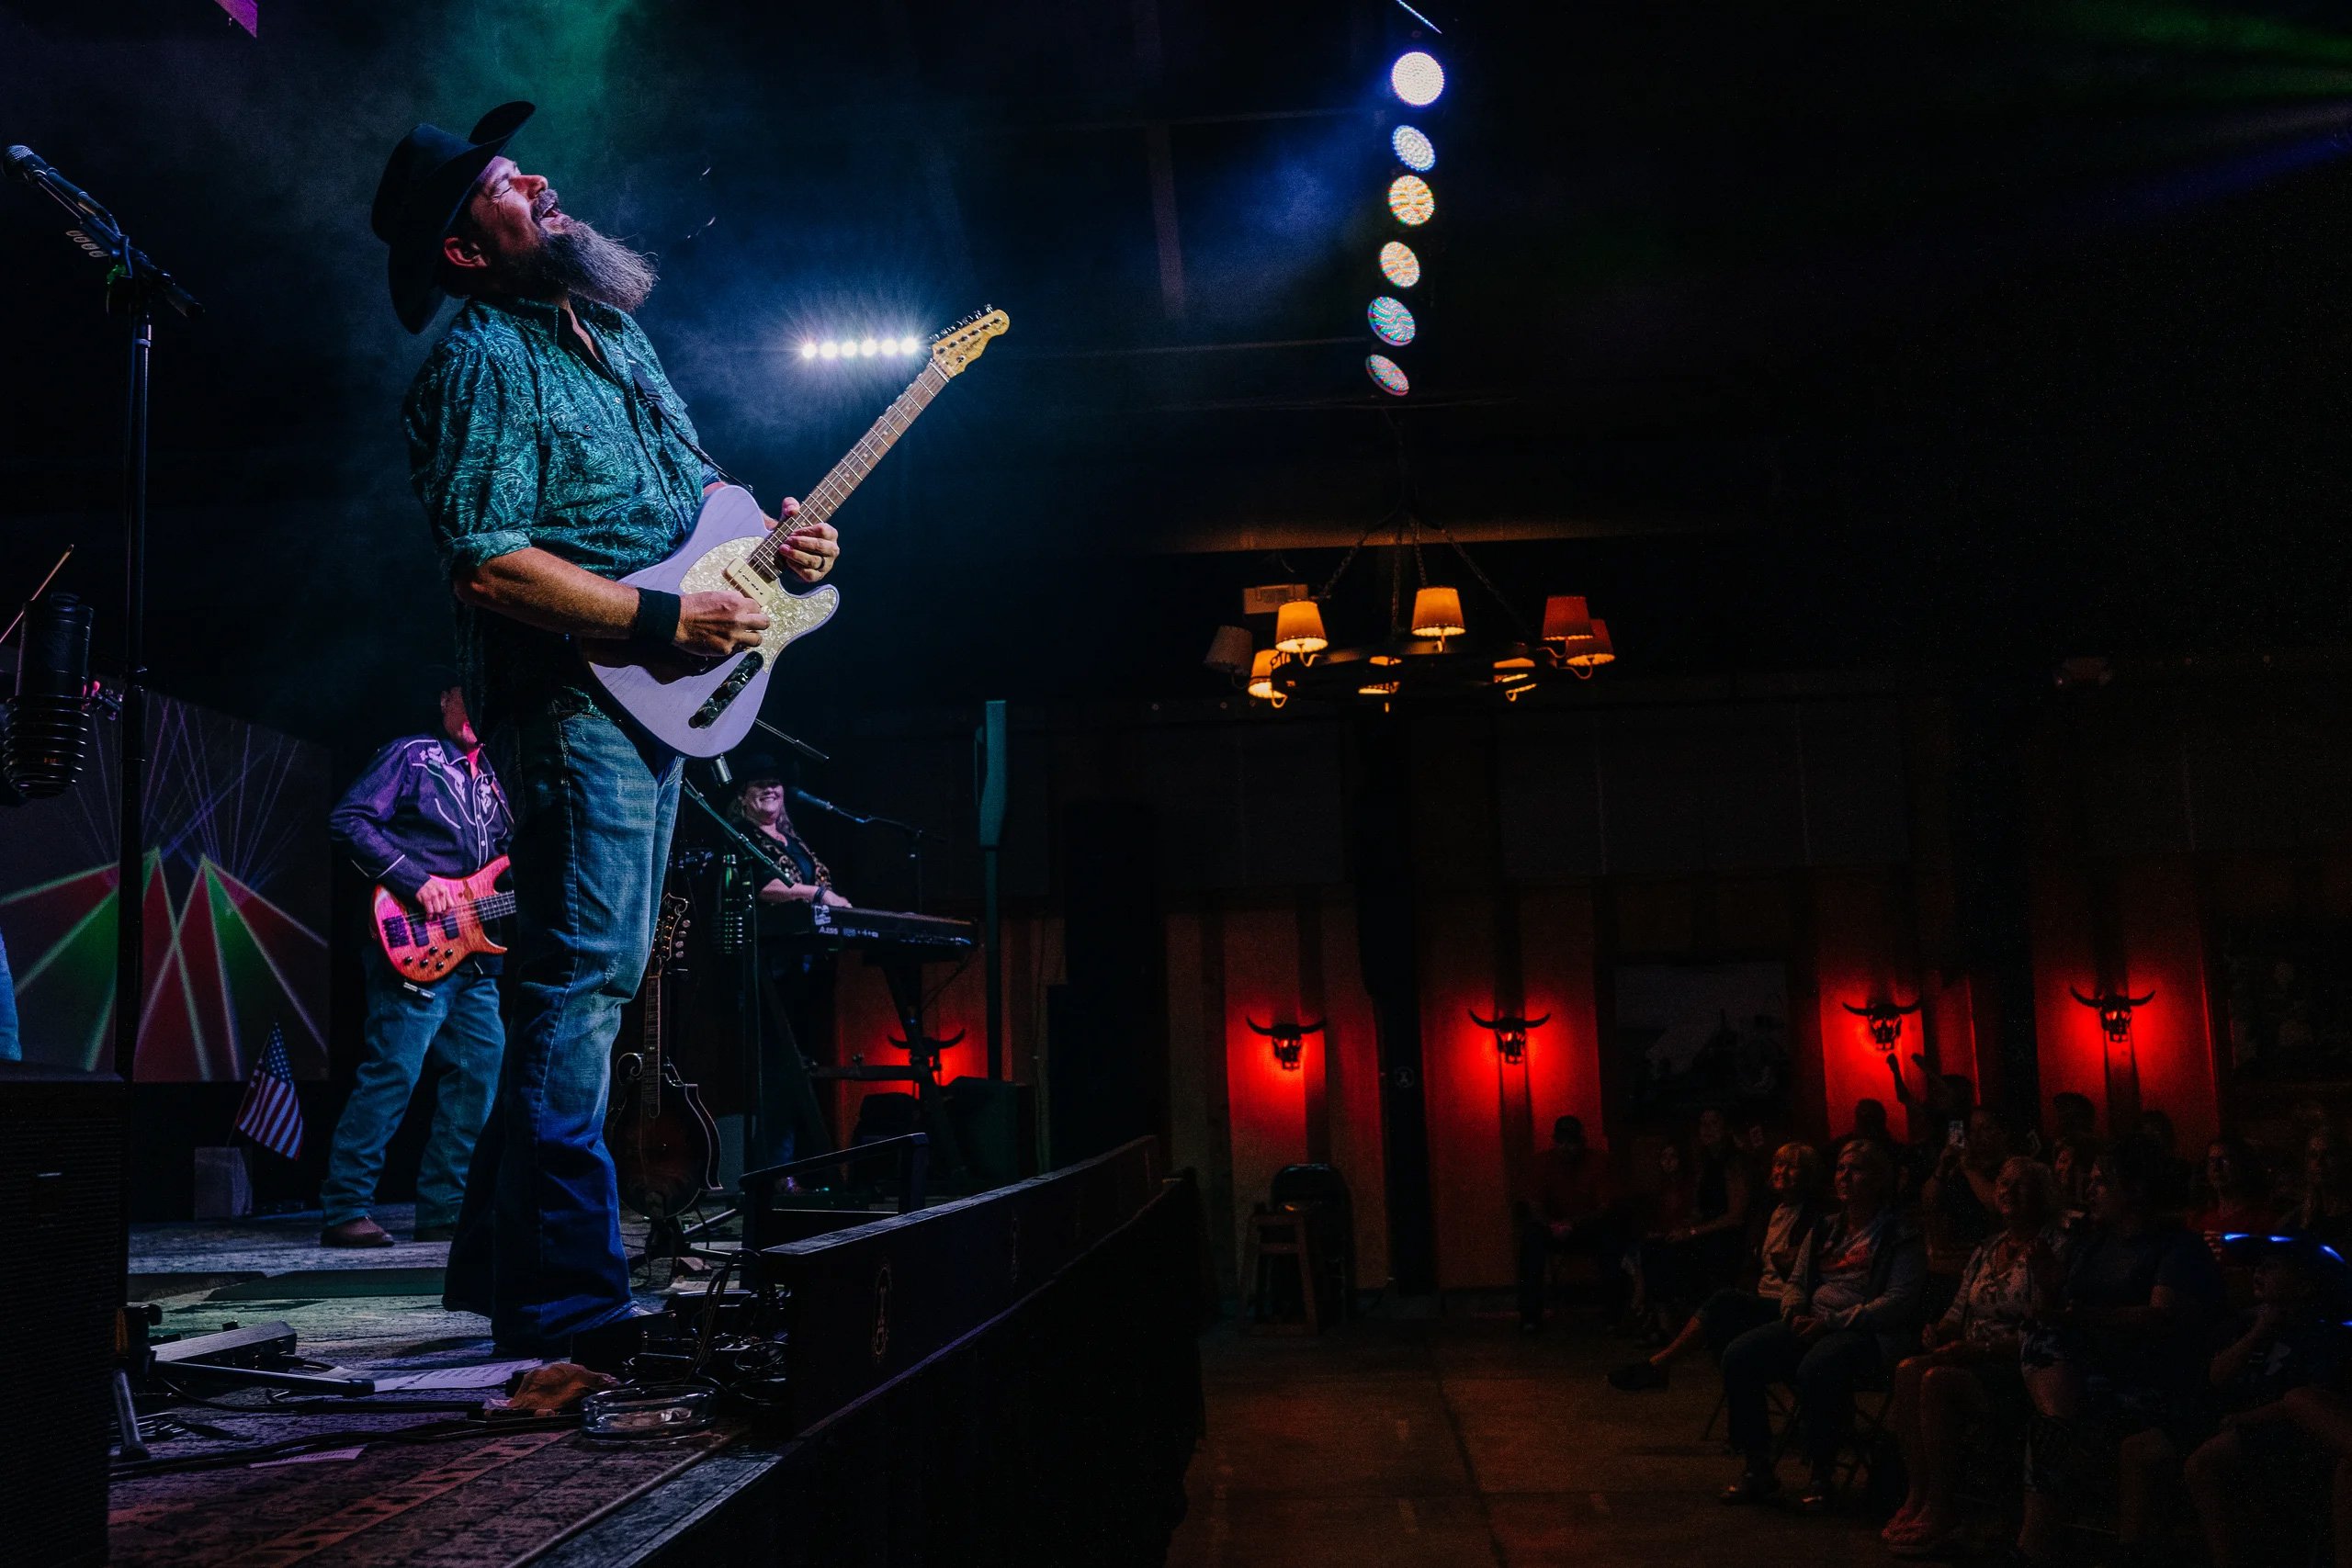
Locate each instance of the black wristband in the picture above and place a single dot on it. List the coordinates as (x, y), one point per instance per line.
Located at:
(654, 629)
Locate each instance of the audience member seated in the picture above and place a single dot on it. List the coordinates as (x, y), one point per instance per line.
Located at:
(1571, 1209)
(1668, 1207)
(1970, 1355)
(1846, 1313)
(2325, 1213)
(2119, 1343)
(2070, 1168)
(2246, 1426)
(1728, 1313)
(2178, 1176)
(2236, 1196)
(1956, 1201)
(1682, 1264)
(2072, 1115)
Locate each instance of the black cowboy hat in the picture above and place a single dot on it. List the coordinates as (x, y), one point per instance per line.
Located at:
(424, 188)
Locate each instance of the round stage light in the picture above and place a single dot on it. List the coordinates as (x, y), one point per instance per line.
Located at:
(1417, 78)
(1398, 265)
(1386, 374)
(829, 350)
(1391, 323)
(1413, 148)
(908, 346)
(808, 350)
(865, 349)
(1411, 198)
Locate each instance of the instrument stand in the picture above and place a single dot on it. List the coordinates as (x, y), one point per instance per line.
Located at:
(135, 286)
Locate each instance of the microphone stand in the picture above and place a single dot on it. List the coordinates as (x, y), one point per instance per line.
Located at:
(134, 286)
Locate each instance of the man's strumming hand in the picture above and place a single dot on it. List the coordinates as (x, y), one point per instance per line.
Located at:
(718, 623)
(439, 895)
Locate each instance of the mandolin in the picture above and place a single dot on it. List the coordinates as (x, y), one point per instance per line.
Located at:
(704, 707)
(424, 947)
(664, 1143)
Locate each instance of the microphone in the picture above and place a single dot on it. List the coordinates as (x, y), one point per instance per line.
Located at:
(802, 797)
(48, 732)
(28, 166)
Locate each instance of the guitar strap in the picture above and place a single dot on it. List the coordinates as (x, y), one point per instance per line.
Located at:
(660, 409)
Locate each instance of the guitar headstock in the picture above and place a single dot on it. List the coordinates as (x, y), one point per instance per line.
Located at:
(668, 932)
(956, 347)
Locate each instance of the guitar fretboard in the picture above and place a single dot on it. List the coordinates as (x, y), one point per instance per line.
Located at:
(820, 503)
(415, 930)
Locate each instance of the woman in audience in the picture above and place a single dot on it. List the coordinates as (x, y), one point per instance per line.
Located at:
(2121, 1335)
(1849, 1308)
(2237, 1198)
(2325, 1213)
(1728, 1313)
(1666, 1210)
(1956, 1202)
(1971, 1353)
(2070, 1166)
(2285, 1343)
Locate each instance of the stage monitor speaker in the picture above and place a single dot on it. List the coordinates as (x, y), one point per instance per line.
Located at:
(987, 1116)
(62, 1256)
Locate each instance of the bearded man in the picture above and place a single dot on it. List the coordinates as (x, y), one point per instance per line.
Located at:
(553, 457)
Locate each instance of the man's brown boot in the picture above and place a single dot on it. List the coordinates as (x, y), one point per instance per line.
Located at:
(361, 1232)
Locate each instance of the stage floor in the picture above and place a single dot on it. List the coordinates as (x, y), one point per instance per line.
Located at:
(490, 1496)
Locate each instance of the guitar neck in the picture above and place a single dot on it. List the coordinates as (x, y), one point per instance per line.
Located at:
(822, 502)
(653, 1029)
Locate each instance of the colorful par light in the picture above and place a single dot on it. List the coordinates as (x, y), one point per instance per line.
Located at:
(1416, 78)
(1386, 374)
(1413, 148)
(1398, 265)
(1411, 200)
(1391, 323)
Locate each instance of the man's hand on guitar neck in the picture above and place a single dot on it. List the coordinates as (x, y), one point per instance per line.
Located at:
(810, 550)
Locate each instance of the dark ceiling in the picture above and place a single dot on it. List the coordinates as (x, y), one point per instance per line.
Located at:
(1795, 335)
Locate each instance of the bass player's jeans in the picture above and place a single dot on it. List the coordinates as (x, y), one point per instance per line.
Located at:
(455, 1019)
(538, 1248)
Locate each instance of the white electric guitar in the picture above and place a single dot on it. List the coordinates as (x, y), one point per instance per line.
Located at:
(704, 706)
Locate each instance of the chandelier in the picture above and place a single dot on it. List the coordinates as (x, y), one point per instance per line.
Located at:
(1430, 653)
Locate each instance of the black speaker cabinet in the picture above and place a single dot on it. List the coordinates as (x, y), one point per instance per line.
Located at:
(61, 1262)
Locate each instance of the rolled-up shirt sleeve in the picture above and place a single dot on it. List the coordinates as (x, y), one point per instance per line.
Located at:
(474, 458)
(360, 820)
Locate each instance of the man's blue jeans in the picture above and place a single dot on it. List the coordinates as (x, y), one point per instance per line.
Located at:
(538, 1250)
(456, 1019)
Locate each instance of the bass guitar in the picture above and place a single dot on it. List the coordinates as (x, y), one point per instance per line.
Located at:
(702, 708)
(664, 1143)
(424, 947)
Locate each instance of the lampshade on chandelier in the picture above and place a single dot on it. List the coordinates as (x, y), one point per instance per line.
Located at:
(1432, 651)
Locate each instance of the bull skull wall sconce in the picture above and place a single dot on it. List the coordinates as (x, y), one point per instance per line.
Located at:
(1886, 1021)
(2115, 1009)
(1511, 1032)
(1290, 1040)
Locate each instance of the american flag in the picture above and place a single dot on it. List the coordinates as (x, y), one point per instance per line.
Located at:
(271, 1115)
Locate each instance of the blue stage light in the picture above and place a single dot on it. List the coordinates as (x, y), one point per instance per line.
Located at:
(1413, 148)
(1416, 78)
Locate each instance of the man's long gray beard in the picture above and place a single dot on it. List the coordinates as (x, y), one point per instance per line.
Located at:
(577, 259)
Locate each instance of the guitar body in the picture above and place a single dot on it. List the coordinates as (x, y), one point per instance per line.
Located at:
(426, 947)
(702, 707)
(698, 707)
(664, 1146)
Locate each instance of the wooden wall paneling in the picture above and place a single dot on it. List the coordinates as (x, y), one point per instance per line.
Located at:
(1268, 1104)
(1469, 1192)
(1352, 1085)
(1557, 957)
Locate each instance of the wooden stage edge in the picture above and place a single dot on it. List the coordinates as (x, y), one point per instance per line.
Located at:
(967, 1290)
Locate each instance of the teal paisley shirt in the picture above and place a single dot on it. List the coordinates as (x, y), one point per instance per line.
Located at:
(515, 438)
